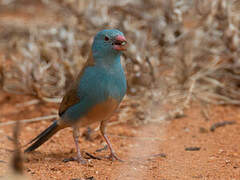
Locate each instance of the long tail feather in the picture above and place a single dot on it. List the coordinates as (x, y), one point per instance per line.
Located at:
(43, 136)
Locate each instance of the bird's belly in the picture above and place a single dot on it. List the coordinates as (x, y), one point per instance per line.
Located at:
(99, 112)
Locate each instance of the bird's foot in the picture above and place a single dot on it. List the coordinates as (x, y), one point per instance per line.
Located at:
(114, 157)
(78, 159)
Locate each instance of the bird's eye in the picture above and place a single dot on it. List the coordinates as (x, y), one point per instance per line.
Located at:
(106, 38)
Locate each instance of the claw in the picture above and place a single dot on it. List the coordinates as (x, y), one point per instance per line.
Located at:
(114, 157)
(79, 160)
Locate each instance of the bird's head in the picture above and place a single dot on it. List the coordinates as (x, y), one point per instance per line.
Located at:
(109, 43)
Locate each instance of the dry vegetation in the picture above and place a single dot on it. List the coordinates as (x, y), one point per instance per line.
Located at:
(179, 51)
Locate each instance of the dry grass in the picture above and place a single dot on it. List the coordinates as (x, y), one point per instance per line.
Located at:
(179, 51)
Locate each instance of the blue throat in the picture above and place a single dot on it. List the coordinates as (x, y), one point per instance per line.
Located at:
(106, 59)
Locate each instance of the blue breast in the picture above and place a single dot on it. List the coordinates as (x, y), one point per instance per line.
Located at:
(98, 84)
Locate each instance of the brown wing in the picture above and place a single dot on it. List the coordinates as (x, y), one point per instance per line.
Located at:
(71, 98)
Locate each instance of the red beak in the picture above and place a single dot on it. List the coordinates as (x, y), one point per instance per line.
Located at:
(120, 43)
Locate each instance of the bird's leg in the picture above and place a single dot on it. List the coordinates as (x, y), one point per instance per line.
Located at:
(79, 157)
(112, 156)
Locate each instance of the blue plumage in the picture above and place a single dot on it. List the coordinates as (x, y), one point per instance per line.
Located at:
(96, 93)
(96, 86)
(104, 80)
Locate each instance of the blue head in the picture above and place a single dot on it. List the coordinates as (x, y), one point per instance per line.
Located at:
(108, 46)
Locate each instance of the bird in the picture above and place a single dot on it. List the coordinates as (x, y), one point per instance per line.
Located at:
(94, 95)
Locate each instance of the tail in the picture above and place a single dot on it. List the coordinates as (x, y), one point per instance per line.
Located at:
(43, 136)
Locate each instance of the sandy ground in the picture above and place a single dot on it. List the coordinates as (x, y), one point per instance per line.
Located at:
(152, 151)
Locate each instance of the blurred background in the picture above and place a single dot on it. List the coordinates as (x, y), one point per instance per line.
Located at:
(179, 51)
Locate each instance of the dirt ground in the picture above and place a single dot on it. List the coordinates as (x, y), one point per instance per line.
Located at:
(152, 151)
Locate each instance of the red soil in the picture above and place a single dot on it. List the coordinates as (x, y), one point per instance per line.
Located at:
(152, 151)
